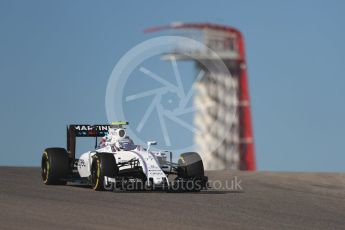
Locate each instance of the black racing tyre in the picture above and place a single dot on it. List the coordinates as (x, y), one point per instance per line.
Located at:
(54, 166)
(190, 166)
(103, 164)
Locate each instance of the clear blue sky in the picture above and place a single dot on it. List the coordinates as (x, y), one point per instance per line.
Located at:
(56, 58)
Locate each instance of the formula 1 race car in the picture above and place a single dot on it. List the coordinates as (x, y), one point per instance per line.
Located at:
(117, 163)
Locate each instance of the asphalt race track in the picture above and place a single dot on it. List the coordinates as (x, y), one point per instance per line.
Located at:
(260, 200)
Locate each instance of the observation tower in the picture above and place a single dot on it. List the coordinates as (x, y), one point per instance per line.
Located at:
(229, 119)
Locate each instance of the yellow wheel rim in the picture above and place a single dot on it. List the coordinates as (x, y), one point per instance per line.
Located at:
(46, 167)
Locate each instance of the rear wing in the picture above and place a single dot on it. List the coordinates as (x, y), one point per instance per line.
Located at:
(74, 131)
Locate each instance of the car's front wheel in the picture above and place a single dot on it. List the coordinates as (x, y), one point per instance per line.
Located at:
(191, 172)
(103, 164)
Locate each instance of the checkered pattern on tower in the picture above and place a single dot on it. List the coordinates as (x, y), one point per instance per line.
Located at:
(216, 103)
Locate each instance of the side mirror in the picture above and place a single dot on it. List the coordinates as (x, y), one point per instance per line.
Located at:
(149, 143)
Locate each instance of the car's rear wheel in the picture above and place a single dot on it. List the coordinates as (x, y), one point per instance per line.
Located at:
(54, 166)
(103, 164)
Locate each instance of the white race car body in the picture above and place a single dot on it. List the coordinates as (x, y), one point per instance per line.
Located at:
(118, 162)
(150, 162)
